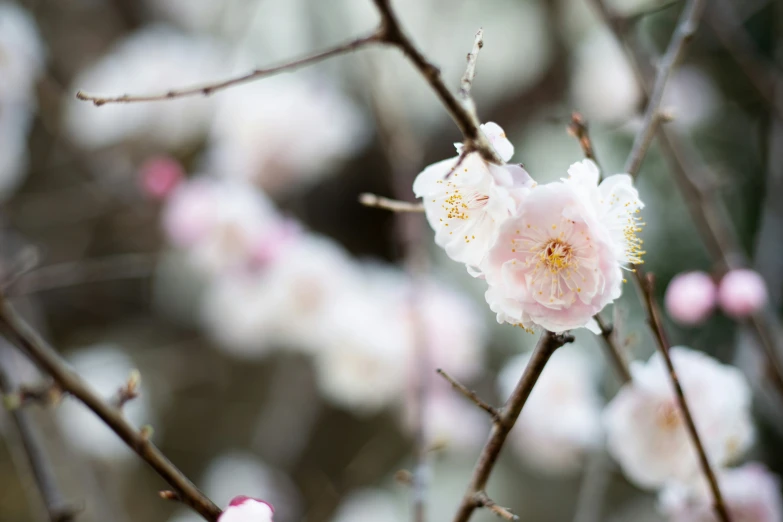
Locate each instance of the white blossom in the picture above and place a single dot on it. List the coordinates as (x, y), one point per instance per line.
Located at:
(561, 420)
(284, 303)
(245, 509)
(284, 133)
(220, 223)
(646, 431)
(467, 201)
(22, 56)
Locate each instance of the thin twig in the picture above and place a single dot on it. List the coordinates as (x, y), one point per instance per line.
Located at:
(463, 116)
(613, 349)
(470, 395)
(395, 205)
(21, 335)
(57, 508)
(487, 503)
(646, 286)
(60, 275)
(579, 130)
(547, 344)
(686, 28)
(211, 88)
(470, 71)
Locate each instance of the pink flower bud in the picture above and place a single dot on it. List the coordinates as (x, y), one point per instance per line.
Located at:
(159, 176)
(690, 297)
(246, 509)
(742, 292)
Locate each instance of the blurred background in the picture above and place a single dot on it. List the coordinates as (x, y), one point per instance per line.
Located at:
(217, 244)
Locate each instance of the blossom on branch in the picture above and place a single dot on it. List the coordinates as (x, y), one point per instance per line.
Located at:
(690, 297)
(646, 431)
(466, 199)
(246, 509)
(557, 262)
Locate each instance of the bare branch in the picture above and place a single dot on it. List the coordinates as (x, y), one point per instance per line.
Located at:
(57, 508)
(372, 200)
(646, 286)
(547, 344)
(578, 129)
(470, 71)
(129, 391)
(471, 395)
(686, 28)
(613, 349)
(484, 501)
(211, 88)
(19, 333)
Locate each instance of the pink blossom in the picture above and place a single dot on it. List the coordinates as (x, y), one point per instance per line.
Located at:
(159, 176)
(742, 292)
(557, 262)
(690, 297)
(751, 494)
(246, 509)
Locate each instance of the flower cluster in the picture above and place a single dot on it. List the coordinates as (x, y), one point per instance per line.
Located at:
(552, 254)
(692, 297)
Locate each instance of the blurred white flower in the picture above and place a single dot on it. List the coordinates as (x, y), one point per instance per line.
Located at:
(367, 505)
(451, 422)
(284, 133)
(603, 85)
(220, 223)
(364, 363)
(15, 121)
(106, 369)
(22, 56)
(244, 473)
(751, 494)
(690, 297)
(561, 421)
(246, 509)
(284, 303)
(691, 97)
(742, 292)
(557, 262)
(159, 176)
(467, 208)
(196, 15)
(645, 429)
(153, 60)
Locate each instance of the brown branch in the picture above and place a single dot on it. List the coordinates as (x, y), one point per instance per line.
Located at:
(547, 344)
(211, 88)
(579, 130)
(463, 116)
(21, 335)
(686, 28)
(470, 395)
(57, 508)
(613, 349)
(128, 392)
(484, 501)
(646, 286)
(371, 200)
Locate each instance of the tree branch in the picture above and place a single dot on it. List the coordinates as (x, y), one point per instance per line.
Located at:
(646, 287)
(57, 508)
(21, 335)
(613, 349)
(470, 395)
(547, 344)
(211, 88)
(484, 501)
(686, 28)
(470, 71)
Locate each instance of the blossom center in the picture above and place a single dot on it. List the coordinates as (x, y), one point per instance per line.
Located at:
(668, 417)
(558, 255)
